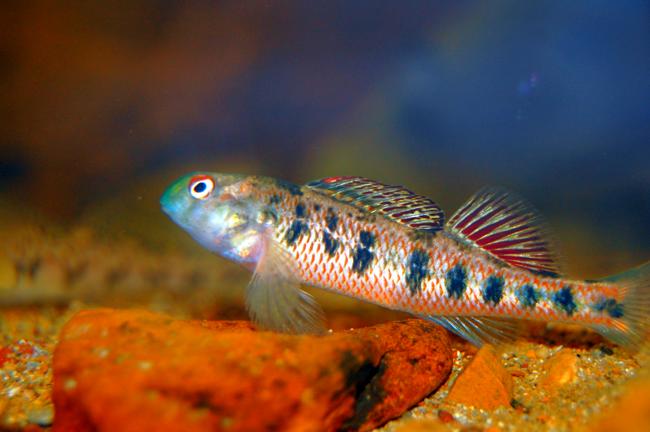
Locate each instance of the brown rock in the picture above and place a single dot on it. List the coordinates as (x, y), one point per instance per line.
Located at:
(560, 369)
(135, 370)
(484, 383)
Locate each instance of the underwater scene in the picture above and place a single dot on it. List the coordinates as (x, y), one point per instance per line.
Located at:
(325, 216)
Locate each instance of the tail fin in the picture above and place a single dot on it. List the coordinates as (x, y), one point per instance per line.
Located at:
(634, 323)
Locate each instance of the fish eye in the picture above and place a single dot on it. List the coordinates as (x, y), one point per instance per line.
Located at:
(201, 187)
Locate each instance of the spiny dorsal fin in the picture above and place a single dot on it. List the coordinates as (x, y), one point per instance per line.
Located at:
(393, 202)
(506, 227)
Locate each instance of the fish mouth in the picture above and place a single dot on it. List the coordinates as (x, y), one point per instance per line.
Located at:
(171, 202)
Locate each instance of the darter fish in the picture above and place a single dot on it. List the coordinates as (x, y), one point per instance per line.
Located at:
(488, 267)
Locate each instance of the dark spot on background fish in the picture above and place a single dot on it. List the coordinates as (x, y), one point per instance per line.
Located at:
(528, 296)
(605, 350)
(331, 244)
(367, 239)
(613, 308)
(563, 299)
(295, 231)
(331, 219)
(493, 290)
(275, 199)
(293, 189)
(456, 281)
(417, 270)
(300, 210)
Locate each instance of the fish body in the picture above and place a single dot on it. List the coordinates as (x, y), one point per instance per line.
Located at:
(489, 266)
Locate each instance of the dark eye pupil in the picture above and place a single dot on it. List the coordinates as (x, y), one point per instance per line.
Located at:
(200, 187)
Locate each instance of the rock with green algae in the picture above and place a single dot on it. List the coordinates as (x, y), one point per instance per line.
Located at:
(135, 370)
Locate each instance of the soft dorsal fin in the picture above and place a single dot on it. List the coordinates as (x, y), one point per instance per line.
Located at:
(506, 227)
(393, 202)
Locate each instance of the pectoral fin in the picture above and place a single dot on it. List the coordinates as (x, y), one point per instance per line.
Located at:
(274, 299)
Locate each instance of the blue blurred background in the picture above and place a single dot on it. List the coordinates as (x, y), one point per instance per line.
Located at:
(104, 103)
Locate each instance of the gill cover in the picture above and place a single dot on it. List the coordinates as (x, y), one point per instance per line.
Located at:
(216, 210)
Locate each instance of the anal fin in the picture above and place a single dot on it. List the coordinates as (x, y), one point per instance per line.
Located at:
(480, 330)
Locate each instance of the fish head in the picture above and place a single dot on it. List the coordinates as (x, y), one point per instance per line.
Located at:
(219, 212)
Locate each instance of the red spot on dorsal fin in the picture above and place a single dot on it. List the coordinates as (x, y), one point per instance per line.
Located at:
(506, 227)
(392, 202)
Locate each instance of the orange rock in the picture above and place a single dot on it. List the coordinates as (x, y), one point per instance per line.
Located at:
(630, 413)
(484, 383)
(136, 370)
(560, 369)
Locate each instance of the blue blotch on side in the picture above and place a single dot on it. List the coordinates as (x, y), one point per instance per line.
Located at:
(528, 296)
(456, 281)
(331, 219)
(293, 189)
(362, 256)
(417, 270)
(563, 300)
(361, 260)
(331, 244)
(275, 199)
(367, 239)
(611, 306)
(316, 207)
(294, 232)
(493, 290)
(300, 210)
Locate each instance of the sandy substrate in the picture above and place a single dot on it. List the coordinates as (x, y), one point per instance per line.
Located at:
(561, 379)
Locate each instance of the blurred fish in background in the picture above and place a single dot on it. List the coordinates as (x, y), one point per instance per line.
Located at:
(104, 103)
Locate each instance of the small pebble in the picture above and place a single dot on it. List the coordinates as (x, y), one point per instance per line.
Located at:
(445, 416)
